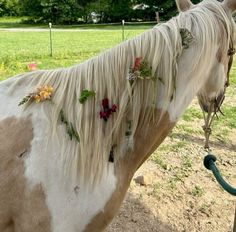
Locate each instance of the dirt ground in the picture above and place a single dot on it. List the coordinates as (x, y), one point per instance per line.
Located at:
(182, 196)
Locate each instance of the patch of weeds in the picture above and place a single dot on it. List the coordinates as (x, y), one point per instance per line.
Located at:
(232, 75)
(192, 114)
(185, 169)
(178, 145)
(172, 183)
(156, 190)
(227, 121)
(157, 159)
(186, 162)
(164, 148)
(205, 208)
(181, 174)
(197, 191)
(222, 137)
(188, 129)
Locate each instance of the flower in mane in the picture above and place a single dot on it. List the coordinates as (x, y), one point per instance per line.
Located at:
(41, 94)
(107, 111)
(140, 70)
(137, 64)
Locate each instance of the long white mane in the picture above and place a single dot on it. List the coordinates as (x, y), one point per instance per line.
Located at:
(107, 75)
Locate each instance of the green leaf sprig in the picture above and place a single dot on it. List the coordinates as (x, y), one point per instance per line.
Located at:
(25, 100)
(85, 94)
(145, 70)
(69, 127)
(186, 36)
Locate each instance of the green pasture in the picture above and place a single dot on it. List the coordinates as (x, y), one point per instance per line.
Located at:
(18, 48)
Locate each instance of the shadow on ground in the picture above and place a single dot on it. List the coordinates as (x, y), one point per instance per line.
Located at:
(200, 141)
(134, 216)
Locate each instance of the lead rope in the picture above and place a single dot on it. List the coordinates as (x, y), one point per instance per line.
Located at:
(214, 105)
(209, 160)
(207, 127)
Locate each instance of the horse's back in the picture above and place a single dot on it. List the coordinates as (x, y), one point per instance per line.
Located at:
(21, 209)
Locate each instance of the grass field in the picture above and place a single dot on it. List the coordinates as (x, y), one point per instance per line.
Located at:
(79, 42)
(18, 48)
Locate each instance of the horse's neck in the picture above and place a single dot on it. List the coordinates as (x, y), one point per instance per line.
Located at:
(146, 143)
(188, 84)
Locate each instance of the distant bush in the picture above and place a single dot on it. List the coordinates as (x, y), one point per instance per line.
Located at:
(9, 8)
(55, 11)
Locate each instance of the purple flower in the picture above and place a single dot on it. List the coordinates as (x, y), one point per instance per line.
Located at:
(114, 108)
(107, 111)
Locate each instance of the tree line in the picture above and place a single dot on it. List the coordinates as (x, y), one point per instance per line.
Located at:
(84, 11)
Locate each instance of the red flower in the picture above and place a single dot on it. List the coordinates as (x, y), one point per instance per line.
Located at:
(32, 66)
(102, 114)
(114, 108)
(105, 102)
(137, 63)
(107, 111)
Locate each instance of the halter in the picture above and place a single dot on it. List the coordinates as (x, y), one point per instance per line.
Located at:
(215, 106)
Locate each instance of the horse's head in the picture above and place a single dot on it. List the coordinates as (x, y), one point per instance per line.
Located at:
(211, 95)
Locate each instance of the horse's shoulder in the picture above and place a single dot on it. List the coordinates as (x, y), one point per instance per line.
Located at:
(16, 134)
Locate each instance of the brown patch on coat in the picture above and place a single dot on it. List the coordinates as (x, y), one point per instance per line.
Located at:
(183, 5)
(126, 167)
(21, 209)
(230, 5)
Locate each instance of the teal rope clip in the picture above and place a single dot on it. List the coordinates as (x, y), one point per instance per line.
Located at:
(209, 163)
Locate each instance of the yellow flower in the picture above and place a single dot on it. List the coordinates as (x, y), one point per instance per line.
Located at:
(44, 95)
(41, 94)
(45, 92)
(37, 98)
(48, 88)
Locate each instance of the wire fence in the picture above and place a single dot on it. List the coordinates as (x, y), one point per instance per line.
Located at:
(53, 47)
(91, 40)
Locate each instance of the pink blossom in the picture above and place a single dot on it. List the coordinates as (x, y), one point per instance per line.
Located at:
(32, 66)
(137, 63)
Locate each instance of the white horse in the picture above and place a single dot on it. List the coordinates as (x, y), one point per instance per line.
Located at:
(64, 167)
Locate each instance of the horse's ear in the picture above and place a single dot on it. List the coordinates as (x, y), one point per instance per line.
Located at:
(183, 5)
(230, 5)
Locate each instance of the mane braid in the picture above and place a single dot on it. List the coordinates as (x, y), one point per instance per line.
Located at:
(107, 75)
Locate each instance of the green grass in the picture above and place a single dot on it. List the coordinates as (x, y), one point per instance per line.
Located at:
(19, 48)
(228, 120)
(197, 191)
(16, 22)
(70, 47)
(159, 160)
(192, 113)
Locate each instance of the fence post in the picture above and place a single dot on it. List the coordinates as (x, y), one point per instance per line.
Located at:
(123, 30)
(50, 32)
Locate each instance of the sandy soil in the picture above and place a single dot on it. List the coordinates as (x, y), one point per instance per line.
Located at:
(183, 196)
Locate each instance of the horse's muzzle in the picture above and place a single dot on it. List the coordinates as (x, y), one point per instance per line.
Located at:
(212, 105)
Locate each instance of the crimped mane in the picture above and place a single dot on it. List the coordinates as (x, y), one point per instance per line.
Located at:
(107, 75)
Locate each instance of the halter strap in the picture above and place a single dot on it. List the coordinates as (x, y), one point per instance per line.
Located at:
(214, 105)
